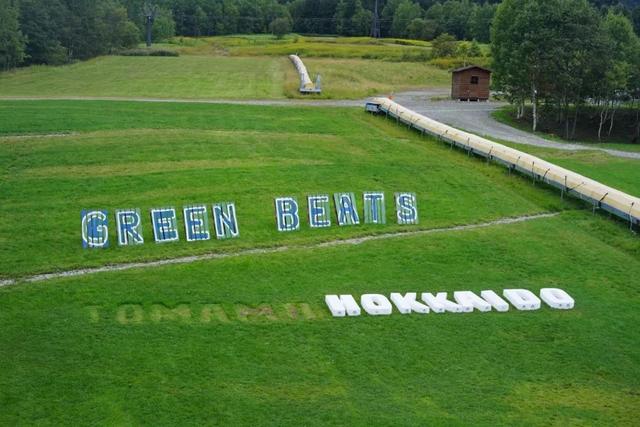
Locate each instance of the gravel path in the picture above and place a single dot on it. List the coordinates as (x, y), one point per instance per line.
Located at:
(283, 102)
(221, 255)
(475, 117)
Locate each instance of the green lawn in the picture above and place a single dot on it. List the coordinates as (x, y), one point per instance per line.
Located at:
(149, 155)
(186, 345)
(247, 340)
(155, 77)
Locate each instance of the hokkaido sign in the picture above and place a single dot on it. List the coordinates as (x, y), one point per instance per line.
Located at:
(463, 302)
(288, 213)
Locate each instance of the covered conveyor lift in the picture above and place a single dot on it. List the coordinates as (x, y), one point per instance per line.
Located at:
(306, 85)
(599, 195)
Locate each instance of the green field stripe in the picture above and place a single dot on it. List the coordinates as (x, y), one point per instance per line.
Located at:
(257, 251)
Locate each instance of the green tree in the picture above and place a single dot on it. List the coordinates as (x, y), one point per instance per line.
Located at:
(474, 49)
(42, 22)
(421, 29)
(480, 22)
(456, 15)
(436, 14)
(280, 27)
(406, 12)
(444, 45)
(548, 50)
(386, 16)
(164, 27)
(12, 42)
(635, 17)
(621, 80)
(352, 19)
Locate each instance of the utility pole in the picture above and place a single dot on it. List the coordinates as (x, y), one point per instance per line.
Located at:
(375, 25)
(149, 11)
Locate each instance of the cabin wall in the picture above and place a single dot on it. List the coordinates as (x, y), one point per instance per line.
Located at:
(461, 87)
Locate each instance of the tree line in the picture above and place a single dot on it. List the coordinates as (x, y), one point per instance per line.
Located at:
(59, 31)
(562, 56)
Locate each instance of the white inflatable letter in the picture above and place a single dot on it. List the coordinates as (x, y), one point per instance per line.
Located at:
(494, 299)
(432, 302)
(406, 304)
(522, 299)
(375, 304)
(557, 298)
(468, 300)
(339, 306)
(440, 303)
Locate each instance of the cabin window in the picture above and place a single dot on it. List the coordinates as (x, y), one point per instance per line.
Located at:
(474, 80)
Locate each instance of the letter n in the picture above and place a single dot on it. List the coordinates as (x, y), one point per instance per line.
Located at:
(225, 221)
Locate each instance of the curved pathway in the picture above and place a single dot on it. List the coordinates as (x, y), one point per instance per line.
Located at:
(475, 117)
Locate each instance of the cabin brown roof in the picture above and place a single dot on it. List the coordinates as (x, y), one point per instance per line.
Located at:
(468, 67)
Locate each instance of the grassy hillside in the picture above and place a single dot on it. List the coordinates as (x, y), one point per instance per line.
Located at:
(247, 340)
(206, 77)
(357, 78)
(119, 154)
(156, 77)
(255, 70)
(327, 47)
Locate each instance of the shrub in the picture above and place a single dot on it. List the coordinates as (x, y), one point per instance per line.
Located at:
(148, 52)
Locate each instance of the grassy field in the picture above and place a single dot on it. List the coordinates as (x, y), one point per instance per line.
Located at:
(207, 77)
(154, 77)
(357, 78)
(258, 68)
(247, 340)
(112, 351)
(327, 47)
(125, 155)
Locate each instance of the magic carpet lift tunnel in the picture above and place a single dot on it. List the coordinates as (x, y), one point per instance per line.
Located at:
(599, 195)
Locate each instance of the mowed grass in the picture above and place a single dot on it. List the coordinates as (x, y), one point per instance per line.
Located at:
(357, 78)
(247, 340)
(258, 68)
(146, 155)
(154, 77)
(217, 77)
(231, 342)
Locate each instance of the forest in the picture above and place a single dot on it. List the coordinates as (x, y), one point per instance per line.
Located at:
(60, 31)
(583, 57)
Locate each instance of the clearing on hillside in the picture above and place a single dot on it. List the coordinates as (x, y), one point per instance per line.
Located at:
(255, 70)
(247, 339)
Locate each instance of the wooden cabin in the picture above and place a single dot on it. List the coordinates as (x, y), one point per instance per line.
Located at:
(470, 83)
